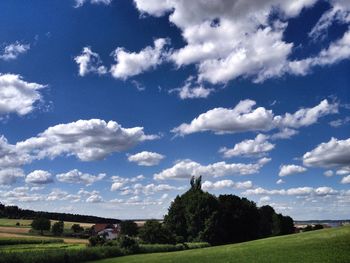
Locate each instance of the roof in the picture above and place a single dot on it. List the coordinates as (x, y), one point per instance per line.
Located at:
(100, 227)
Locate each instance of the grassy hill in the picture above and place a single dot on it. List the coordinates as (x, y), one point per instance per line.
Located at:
(328, 245)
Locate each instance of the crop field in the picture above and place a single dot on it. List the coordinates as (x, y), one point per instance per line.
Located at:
(328, 245)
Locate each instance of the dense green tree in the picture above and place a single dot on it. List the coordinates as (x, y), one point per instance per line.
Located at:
(266, 214)
(128, 228)
(41, 224)
(287, 225)
(57, 228)
(154, 232)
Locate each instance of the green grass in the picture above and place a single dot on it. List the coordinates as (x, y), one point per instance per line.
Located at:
(37, 247)
(328, 245)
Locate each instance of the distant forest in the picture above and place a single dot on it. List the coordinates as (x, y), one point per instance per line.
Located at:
(15, 212)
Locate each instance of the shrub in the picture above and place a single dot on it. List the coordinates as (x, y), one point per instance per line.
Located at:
(128, 244)
(96, 241)
(57, 228)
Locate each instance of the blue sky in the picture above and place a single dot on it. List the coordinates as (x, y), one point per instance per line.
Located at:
(108, 107)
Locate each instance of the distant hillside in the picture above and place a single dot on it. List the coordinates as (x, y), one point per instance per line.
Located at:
(17, 213)
(327, 245)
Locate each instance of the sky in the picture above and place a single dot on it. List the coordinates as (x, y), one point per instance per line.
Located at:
(108, 107)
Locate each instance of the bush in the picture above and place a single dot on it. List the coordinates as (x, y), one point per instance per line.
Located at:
(41, 224)
(96, 241)
(128, 244)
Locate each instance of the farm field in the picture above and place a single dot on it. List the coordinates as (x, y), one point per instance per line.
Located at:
(328, 245)
(25, 223)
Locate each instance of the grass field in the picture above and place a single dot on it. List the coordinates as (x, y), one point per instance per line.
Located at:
(328, 245)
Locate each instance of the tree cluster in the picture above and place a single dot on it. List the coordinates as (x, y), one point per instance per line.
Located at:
(17, 213)
(199, 216)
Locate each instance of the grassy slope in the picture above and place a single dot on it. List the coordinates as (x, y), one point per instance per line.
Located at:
(329, 245)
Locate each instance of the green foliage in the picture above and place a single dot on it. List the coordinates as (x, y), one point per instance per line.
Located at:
(61, 256)
(128, 244)
(57, 228)
(154, 232)
(41, 224)
(76, 228)
(96, 241)
(18, 241)
(128, 228)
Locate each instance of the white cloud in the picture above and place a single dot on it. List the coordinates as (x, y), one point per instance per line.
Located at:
(345, 180)
(230, 39)
(129, 64)
(284, 133)
(88, 140)
(328, 173)
(337, 51)
(89, 62)
(299, 191)
(291, 169)
(77, 177)
(333, 153)
(10, 156)
(244, 118)
(218, 185)
(339, 122)
(94, 199)
(9, 176)
(256, 147)
(39, 177)
(79, 3)
(192, 90)
(120, 182)
(186, 168)
(265, 199)
(12, 51)
(18, 96)
(280, 181)
(146, 158)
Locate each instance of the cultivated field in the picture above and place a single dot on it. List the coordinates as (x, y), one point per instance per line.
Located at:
(328, 245)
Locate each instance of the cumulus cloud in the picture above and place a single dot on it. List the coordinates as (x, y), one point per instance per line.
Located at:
(129, 64)
(291, 169)
(119, 182)
(39, 177)
(10, 156)
(79, 3)
(230, 39)
(186, 168)
(9, 176)
(284, 133)
(339, 122)
(243, 117)
(89, 62)
(18, 96)
(218, 185)
(280, 181)
(88, 140)
(256, 147)
(12, 51)
(328, 173)
(333, 153)
(77, 177)
(345, 180)
(146, 158)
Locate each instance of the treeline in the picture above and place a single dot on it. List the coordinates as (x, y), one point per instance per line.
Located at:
(200, 216)
(15, 212)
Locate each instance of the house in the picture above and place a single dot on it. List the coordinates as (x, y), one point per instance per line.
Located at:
(108, 231)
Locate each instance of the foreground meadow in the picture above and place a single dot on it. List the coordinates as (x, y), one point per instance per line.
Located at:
(328, 245)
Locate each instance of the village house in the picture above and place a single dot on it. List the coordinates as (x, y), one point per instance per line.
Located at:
(108, 231)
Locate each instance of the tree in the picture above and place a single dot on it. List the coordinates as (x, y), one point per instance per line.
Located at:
(128, 228)
(266, 214)
(41, 224)
(76, 228)
(154, 232)
(57, 228)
